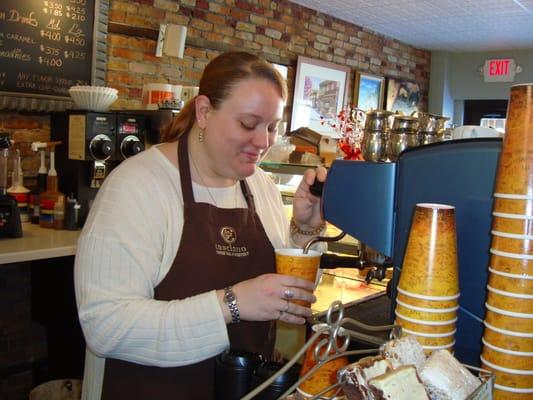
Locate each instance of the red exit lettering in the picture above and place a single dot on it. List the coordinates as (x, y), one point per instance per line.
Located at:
(499, 67)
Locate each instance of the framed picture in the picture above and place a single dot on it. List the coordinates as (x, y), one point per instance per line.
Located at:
(319, 94)
(402, 96)
(368, 91)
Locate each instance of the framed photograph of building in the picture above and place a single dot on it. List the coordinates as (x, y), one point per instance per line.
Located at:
(402, 96)
(319, 94)
(368, 91)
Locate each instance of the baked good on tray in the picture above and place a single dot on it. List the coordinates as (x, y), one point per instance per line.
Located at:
(445, 378)
(401, 383)
(402, 371)
(356, 376)
(404, 351)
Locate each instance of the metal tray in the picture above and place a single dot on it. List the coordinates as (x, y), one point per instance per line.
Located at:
(483, 392)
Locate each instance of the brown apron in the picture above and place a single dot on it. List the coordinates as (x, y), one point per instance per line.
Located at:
(219, 247)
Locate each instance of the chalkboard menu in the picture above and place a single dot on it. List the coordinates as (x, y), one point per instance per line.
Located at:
(45, 45)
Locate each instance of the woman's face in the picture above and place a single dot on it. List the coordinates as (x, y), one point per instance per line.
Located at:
(243, 128)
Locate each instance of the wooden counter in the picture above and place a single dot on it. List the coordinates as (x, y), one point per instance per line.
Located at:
(38, 243)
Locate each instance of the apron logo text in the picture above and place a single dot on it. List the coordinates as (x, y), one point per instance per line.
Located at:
(229, 235)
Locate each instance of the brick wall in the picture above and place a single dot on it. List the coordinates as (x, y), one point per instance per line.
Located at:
(25, 129)
(275, 29)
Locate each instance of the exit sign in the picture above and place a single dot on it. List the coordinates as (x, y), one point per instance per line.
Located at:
(499, 70)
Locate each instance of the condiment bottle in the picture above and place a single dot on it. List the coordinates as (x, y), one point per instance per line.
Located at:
(34, 209)
(71, 214)
(18, 191)
(59, 213)
(50, 197)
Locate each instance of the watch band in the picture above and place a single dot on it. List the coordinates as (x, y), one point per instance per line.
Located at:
(231, 301)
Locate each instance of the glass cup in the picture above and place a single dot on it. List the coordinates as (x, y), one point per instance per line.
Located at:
(294, 262)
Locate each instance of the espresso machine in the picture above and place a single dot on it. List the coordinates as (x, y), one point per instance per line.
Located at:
(374, 202)
(93, 144)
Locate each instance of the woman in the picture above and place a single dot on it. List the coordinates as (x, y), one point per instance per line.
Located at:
(176, 263)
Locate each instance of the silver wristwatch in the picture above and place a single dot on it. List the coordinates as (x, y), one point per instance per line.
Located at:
(231, 301)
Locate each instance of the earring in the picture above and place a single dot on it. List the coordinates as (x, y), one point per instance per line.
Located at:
(201, 136)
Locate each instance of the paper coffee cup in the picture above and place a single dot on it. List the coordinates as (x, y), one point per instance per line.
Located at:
(508, 339)
(295, 263)
(428, 315)
(509, 320)
(511, 266)
(429, 265)
(404, 297)
(509, 301)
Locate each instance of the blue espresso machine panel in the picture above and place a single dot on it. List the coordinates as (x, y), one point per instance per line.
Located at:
(374, 202)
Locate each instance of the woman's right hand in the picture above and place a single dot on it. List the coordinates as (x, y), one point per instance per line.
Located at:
(266, 298)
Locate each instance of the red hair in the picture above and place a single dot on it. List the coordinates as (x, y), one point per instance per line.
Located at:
(218, 79)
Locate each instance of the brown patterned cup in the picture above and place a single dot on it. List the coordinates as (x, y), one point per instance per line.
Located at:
(514, 175)
(510, 284)
(513, 266)
(404, 297)
(426, 328)
(434, 342)
(294, 262)
(508, 320)
(511, 223)
(510, 301)
(508, 339)
(505, 395)
(430, 261)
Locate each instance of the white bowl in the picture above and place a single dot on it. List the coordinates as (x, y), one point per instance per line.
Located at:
(93, 98)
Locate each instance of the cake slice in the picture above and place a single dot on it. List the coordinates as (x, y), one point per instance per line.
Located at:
(356, 376)
(445, 378)
(404, 351)
(399, 384)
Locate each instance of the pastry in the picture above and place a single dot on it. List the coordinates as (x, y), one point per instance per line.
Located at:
(356, 376)
(404, 351)
(445, 378)
(401, 383)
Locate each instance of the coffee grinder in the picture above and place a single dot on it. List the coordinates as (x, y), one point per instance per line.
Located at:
(131, 134)
(88, 156)
(96, 142)
(10, 224)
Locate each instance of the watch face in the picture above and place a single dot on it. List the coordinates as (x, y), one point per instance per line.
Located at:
(229, 297)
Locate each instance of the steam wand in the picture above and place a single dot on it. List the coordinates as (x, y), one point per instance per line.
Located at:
(377, 271)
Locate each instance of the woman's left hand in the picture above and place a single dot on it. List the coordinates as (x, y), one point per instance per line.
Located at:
(306, 206)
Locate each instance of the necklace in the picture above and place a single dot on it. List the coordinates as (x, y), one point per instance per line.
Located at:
(207, 187)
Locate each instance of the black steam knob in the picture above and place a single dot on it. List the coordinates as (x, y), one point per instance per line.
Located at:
(131, 146)
(101, 147)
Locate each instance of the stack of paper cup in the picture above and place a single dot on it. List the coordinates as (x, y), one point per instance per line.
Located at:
(428, 290)
(508, 334)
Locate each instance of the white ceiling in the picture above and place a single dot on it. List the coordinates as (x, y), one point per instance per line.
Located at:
(451, 25)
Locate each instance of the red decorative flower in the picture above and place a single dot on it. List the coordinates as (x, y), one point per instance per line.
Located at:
(349, 124)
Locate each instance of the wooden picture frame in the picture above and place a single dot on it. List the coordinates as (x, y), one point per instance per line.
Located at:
(368, 91)
(402, 96)
(319, 94)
